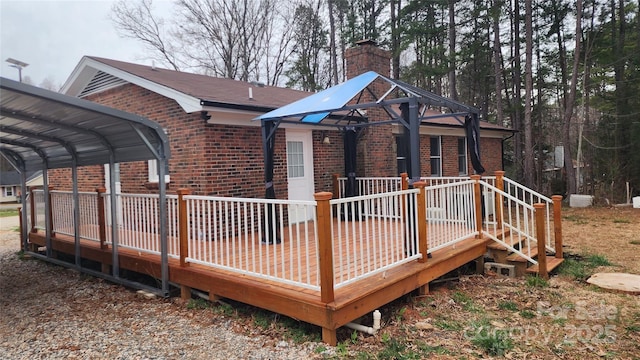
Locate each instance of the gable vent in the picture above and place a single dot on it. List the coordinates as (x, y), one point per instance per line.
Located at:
(101, 82)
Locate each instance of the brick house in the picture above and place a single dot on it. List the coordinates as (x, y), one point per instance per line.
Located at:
(216, 145)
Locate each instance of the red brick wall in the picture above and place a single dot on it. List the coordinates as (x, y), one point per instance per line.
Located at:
(208, 159)
(328, 159)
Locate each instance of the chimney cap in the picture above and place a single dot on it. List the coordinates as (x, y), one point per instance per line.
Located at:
(366, 42)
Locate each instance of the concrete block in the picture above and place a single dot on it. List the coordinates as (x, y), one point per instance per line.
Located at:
(500, 269)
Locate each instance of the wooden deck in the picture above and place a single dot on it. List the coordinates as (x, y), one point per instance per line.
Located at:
(350, 301)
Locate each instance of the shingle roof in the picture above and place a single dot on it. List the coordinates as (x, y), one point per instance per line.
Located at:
(211, 89)
(226, 92)
(14, 178)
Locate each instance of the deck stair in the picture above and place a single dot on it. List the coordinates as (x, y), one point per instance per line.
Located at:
(503, 255)
(525, 231)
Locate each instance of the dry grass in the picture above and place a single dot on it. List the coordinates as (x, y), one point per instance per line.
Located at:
(484, 316)
(564, 318)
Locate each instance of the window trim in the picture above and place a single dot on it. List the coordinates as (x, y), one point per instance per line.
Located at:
(465, 155)
(152, 167)
(9, 188)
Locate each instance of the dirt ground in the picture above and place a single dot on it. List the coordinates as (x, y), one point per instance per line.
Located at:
(472, 316)
(563, 318)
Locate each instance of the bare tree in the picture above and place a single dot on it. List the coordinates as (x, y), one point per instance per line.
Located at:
(238, 39)
(137, 21)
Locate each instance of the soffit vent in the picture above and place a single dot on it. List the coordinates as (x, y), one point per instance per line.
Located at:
(101, 82)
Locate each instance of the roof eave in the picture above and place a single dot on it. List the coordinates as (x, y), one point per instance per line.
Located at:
(88, 67)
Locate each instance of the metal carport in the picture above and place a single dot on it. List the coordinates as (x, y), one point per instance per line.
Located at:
(41, 129)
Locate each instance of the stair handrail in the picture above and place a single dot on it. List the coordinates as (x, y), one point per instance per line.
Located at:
(523, 231)
(531, 197)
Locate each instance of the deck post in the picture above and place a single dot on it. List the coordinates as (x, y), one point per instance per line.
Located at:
(325, 246)
(423, 244)
(498, 200)
(33, 211)
(404, 183)
(557, 224)
(102, 223)
(540, 233)
(477, 196)
(182, 226)
(336, 185)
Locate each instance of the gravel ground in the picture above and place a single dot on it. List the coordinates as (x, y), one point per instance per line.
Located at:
(50, 312)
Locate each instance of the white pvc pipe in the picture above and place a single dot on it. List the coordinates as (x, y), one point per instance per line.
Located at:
(371, 330)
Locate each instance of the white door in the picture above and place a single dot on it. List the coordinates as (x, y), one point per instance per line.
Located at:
(300, 172)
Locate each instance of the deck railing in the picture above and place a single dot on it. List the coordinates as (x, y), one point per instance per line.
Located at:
(230, 233)
(373, 233)
(137, 221)
(38, 211)
(451, 213)
(63, 217)
(361, 235)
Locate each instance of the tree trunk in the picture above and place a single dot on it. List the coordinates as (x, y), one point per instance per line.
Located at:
(517, 93)
(528, 129)
(453, 92)
(568, 114)
(332, 45)
(497, 61)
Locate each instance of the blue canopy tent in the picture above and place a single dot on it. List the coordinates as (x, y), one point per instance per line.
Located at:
(342, 106)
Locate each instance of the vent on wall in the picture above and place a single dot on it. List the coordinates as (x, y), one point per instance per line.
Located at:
(101, 82)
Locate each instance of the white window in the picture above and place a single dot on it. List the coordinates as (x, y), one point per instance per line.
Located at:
(436, 155)
(8, 191)
(462, 156)
(153, 172)
(295, 159)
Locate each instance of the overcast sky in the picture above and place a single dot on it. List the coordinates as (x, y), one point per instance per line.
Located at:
(53, 35)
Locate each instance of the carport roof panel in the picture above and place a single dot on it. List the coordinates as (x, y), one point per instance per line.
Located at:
(35, 121)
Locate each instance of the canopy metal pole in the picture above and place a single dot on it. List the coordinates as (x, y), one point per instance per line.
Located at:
(47, 206)
(76, 210)
(24, 231)
(162, 214)
(115, 264)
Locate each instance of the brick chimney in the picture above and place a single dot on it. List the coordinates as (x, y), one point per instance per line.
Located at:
(367, 56)
(376, 148)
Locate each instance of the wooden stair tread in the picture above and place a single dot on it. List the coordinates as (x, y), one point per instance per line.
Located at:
(517, 258)
(501, 234)
(552, 263)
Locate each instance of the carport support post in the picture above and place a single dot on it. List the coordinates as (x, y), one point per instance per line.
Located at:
(115, 261)
(76, 213)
